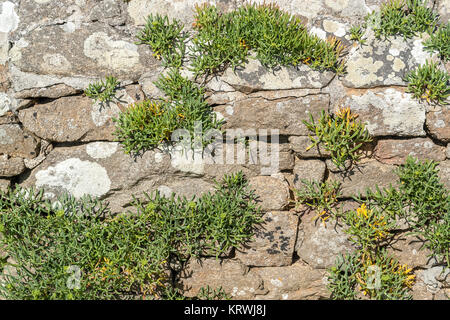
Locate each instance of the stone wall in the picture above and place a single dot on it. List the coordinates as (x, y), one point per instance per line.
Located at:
(53, 136)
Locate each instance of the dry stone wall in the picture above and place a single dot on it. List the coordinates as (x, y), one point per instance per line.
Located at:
(53, 136)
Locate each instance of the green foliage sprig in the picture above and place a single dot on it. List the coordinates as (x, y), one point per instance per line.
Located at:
(428, 82)
(399, 17)
(320, 196)
(276, 37)
(103, 91)
(440, 41)
(341, 134)
(356, 33)
(145, 125)
(166, 39)
(75, 249)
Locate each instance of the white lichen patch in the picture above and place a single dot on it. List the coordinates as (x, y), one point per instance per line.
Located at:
(419, 54)
(336, 28)
(101, 150)
(114, 54)
(165, 191)
(318, 32)
(186, 160)
(55, 63)
(76, 176)
(337, 5)
(398, 65)
(5, 103)
(9, 20)
(362, 71)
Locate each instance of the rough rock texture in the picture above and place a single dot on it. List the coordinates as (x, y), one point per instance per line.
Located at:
(296, 282)
(300, 144)
(444, 173)
(10, 167)
(308, 170)
(438, 123)
(388, 112)
(231, 275)
(274, 241)
(395, 151)
(365, 175)
(410, 250)
(284, 114)
(271, 193)
(4, 184)
(319, 244)
(75, 118)
(16, 142)
(383, 62)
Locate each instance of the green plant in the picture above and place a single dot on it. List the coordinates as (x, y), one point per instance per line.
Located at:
(75, 249)
(376, 276)
(342, 281)
(103, 91)
(276, 37)
(341, 134)
(209, 225)
(440, 41)
(368, 227)
(399, 17)
(147, 124)
(429, 83)
(166, 39)
(321, 196)
(356, 33)
(207, 293)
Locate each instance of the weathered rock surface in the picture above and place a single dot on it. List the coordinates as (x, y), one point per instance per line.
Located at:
(309, 170)
(4, 184)
(255, 77)
(274, 241)
(410, 250)
(365, 175)
(383, 62)
(231, 275)
(10, 167)
(17, 143)
(396, 151)
(438, 123)
(271, 193)
(388, 112)
(74, 118)
(296, 282)
(318, 244)
(286, 115)
(95, 50)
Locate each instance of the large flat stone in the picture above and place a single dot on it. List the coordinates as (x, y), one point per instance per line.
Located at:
(232, 276)
(96, 50)
(271, 193)
(438, 123)
(382, 62)
(394, 151)
(296, 282)
(274, 241)
(255, 77)
(74, 118)
(388, 112)
(365, 175)
(10, 167)
(286, 115)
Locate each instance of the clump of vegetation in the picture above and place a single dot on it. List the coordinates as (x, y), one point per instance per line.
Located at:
(356, 33)
(277, 38)
(166, 39)
(341, 134)
(399, 17)
(320, 196)
(374, 276)
(440, 41)
(368, 227)
(147, 124)
(75, 249)
(429, 83)
(103, 91)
